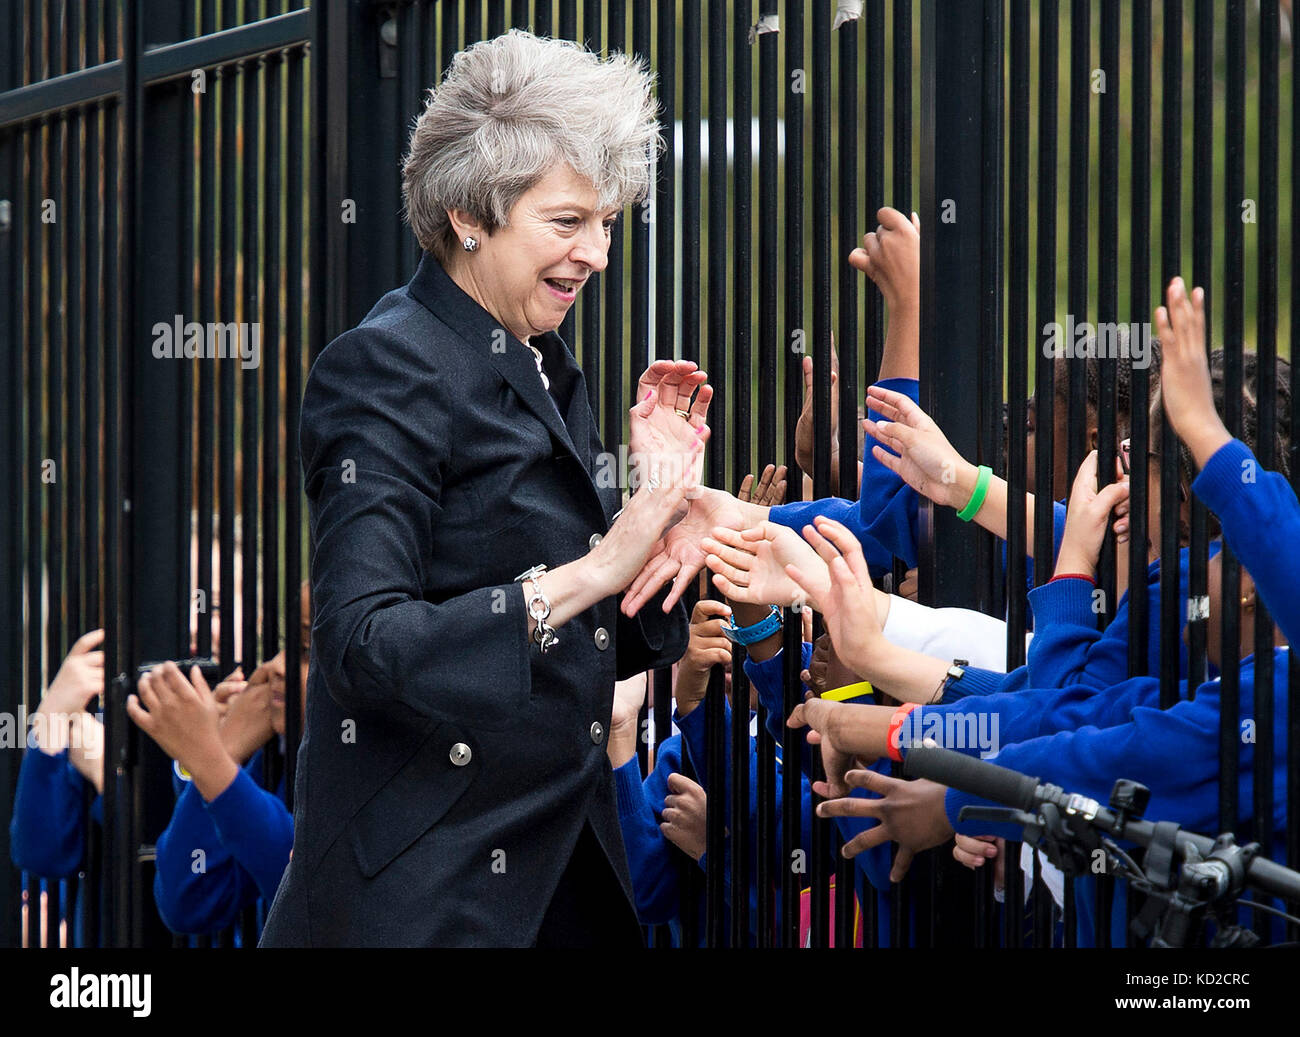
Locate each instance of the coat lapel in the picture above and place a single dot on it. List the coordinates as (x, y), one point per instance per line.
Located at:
(482, 335)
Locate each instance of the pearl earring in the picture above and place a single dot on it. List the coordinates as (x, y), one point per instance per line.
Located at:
(471, 244)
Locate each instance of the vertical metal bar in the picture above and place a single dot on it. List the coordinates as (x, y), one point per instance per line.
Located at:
(768, 73)
(1045, 287)
(225, 606)
(718, 808)
(32, 393)
(496, 18)
(406, 110)
(247, 477)
(847, 209)
(473, 15)
(873, 327)
(449, 31)
(1019, 344)
(1107, 315)
(590, 302)
(269, 315)
(1234, 188)
(208, 307)
(12, 261)
(690, 261)
(1171, 171)
(902, 150)
(568, 19)
(542, 17)
(615, 338)
(1266, 393)
(1140, 309)
(1077, 276)
(793, 855)
(298, 214)
(1202, 267)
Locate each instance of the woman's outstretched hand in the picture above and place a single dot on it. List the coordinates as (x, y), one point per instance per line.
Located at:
(923, 457)
(1186, 391)
(637, 534)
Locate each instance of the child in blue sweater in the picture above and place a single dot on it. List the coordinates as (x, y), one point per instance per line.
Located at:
(668, 807)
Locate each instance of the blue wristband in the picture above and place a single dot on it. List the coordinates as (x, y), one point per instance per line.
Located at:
(756, 632)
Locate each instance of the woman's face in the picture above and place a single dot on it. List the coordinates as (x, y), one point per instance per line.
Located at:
(528, 274)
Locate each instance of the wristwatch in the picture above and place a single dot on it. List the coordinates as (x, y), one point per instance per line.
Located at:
(756, 632)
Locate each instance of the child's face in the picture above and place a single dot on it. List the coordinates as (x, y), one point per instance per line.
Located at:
(1214, 632)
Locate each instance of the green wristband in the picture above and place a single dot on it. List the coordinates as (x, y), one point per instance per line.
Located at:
(977, 497)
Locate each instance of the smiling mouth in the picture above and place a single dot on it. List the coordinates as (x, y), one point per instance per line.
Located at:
(563, 285)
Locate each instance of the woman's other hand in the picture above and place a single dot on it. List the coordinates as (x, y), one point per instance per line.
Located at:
(80, 679)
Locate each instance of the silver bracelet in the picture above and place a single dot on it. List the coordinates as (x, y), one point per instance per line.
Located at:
(539, 607)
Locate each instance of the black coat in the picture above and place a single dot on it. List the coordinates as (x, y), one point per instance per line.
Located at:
(447, 768)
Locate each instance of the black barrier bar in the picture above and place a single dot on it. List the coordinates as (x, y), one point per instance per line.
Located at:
(793, 853)
(615, 405)
(1107, 317)
(639, 318)
(519, 14)
(406, 111)
(542, 21)
(12, 225)
(739, 390)
(1171, 171)
(568, 19)
(250, 121)
(473, 22)
(846, 206)
(765, 35)
(496, 18)
(854, 228)
(1266, 393)
(719, 811)
(823, 830)
(690, 177)
(1202, 266)
(449, 30)
(1234, 190)
(225, 606)
(589, 304)
(297, 344)
(35, 272)
(1140, 311)
(1079, 417)
(207, 306)
(1020, 342)
(269, 554)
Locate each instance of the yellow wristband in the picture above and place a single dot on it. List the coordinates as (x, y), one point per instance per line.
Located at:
(849, 691)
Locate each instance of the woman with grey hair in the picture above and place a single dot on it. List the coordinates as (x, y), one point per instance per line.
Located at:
(453, 786)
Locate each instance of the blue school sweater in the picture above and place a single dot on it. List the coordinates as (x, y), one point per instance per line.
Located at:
(47, 833)
(215, 859)
(1088, 738)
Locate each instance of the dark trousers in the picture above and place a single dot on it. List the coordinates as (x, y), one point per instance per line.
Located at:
(589, 908)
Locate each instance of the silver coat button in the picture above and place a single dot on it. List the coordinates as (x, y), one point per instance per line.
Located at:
(597, 732)
(596, 538)
(602, 638)
(460, 754)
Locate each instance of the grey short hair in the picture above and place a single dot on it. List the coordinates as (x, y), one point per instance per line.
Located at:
(507, 112)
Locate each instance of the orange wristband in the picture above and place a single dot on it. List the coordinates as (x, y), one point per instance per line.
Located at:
(896, 722)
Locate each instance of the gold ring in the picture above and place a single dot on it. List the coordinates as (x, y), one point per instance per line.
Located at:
(684, 414)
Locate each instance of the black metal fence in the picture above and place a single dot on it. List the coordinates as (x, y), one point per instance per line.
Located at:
(211, 163)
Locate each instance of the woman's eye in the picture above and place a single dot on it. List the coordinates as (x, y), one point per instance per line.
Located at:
(567, 221)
